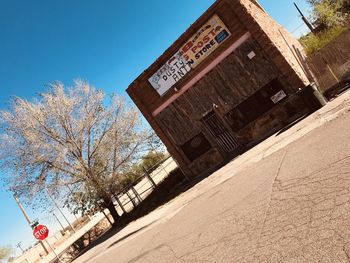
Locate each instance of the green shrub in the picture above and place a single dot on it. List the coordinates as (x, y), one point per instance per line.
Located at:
(314, 42)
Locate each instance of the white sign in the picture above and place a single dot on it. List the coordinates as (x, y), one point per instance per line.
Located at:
(170, 73)
(190, 55)
(278, 96)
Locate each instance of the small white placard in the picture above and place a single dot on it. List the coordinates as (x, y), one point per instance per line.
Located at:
(278, 96)
(251, 55)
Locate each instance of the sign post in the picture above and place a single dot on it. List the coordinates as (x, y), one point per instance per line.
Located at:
(41, 232)
(28, 220)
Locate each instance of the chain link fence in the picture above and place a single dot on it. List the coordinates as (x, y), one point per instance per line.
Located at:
(134, 193)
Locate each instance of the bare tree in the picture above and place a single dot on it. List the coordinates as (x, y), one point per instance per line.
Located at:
(70, 136)
(5, 252)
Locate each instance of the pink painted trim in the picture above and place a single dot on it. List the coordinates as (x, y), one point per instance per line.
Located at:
(201, 74)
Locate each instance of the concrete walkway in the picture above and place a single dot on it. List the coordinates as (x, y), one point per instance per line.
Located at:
(286, 200)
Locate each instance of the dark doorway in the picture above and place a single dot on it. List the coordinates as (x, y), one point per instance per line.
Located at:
(222, 135)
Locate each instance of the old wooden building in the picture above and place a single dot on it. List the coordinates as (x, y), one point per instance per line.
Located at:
(232, 79)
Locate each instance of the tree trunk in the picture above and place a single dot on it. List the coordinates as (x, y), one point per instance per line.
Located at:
(110, 206)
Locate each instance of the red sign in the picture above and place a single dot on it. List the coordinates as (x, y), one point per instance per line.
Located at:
(40, 232)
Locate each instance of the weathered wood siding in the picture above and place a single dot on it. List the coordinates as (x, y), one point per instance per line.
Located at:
(274, 39)
(273, 120)
(337, 55)
(228, 84)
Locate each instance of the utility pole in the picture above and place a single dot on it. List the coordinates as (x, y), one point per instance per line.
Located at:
(58, 220)
(312, 29)
(28, 220)
(65, 218)
(19, 245)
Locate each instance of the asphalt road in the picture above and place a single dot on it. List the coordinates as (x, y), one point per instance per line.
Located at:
(286, 200)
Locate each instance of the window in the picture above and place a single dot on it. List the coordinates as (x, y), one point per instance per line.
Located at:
(256, 105)
(196, 147)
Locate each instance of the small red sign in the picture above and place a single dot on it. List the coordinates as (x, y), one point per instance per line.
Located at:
(40, 232)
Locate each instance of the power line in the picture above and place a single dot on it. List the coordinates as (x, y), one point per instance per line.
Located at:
(300, 26)
(19, 245)
(59, 209)
(291, 21)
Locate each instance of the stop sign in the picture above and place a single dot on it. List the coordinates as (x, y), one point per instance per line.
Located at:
(40, 232)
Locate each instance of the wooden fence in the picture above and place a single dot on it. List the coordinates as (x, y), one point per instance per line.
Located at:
(331, 62)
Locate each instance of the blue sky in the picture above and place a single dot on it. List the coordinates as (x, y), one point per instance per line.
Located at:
(108, 43)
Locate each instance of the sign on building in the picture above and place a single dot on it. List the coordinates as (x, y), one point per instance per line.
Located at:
(208, 38)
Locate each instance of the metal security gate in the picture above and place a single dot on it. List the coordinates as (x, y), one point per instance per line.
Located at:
(221, 134)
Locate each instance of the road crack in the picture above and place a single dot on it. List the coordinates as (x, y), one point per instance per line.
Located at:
(275, 180)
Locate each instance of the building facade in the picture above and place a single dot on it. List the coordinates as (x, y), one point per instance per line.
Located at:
(229, 81)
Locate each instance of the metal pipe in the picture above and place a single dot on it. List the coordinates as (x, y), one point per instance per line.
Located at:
(53, 200)
(58, 220)
(53, 250)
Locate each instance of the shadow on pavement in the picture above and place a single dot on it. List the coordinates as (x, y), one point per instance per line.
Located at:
(130, 234)
(290, 125)
(174, 185)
